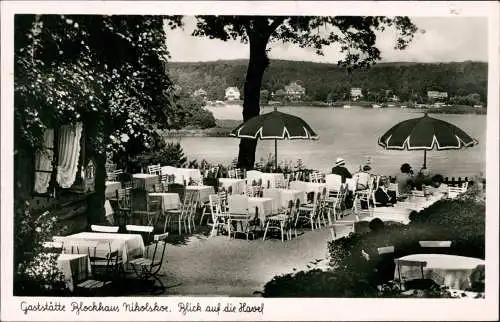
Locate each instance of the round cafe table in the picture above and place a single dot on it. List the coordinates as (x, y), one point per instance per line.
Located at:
(449, 270)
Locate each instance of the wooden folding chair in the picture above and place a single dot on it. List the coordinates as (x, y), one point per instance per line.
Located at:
(148, 267)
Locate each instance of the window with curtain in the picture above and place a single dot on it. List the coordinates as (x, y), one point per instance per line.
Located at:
(62, 147)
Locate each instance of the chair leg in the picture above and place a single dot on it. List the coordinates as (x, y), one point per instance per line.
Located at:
(281, 228)
(203, 215)
(265, 231)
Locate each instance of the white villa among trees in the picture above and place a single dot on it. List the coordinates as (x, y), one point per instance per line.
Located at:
(295, 91)
(232, 94)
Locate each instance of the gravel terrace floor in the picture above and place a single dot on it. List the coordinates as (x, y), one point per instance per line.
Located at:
(219, 266)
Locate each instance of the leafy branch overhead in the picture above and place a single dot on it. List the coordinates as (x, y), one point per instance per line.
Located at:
(108, 72)
(355, 35)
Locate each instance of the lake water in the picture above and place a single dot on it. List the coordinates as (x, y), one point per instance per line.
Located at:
(353, 134)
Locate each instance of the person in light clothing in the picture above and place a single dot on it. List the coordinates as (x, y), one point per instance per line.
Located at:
(341, 170)
(363, 178)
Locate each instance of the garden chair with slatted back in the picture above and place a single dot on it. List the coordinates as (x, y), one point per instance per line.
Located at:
(154, 169)
(216, 215)
(281, 222)
(454, 192)
(419, 265)
(322, 208)
(104, 272)
(149, 266)
(110, 169)
(124, 209)
(145, 231)
(179, 216)
(195, 201)
(104, 229)
(152, 211)
(310, 213)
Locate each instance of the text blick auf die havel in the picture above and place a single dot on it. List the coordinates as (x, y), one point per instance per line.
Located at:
(134, 306)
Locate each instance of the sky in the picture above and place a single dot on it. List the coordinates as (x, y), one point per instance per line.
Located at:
(439, 39)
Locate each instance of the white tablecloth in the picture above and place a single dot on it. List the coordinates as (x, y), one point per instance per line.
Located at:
(144, 181)
(74, 268)
(291, 195)
(238, 186)
(128, 245)
(264, 205)
(111, 188)
(449, 270)
(203, 192)
(169, 200)
(182, 174)
(272, 178)
(308, 187)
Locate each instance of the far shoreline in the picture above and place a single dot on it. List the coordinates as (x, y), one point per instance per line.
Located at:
(224, 126)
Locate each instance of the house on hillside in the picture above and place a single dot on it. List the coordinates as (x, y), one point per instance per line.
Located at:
(201, 93)
(436, 95)
(294, 91)
(356, 93)
(232, 94)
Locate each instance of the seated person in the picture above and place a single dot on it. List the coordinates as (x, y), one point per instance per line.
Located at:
(341, 170)
(405, 179)
(363, 178)
(383, 196)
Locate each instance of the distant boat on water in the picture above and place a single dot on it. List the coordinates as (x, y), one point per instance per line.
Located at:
(376, 106)
(347, 106)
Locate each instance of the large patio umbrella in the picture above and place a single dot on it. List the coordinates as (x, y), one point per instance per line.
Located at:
(425, 133)
(275, 126)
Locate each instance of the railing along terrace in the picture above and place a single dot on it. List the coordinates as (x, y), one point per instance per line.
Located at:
(450, 181)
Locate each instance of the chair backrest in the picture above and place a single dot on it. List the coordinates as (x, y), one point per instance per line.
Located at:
(104, 229)
(154, 169)
(177, 188)
(231, 173)
(250, 192)
(215, 206)
(385, 250)
(453, 192)
(435, 243)
(144, 231)
(314, 176)
(238, 204)
(53, 246)
(124, 198)
(159, 242)
(333, 181)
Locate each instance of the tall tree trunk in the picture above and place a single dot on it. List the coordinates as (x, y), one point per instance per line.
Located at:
(251, 100)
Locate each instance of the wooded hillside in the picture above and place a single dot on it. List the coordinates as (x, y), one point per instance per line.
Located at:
(319, 79)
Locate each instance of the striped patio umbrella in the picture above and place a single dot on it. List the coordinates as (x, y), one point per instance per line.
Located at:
(275, 126)
(425, 133)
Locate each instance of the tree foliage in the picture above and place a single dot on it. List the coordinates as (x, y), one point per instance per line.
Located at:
(356, 36)
(325, 82)
(105, 71)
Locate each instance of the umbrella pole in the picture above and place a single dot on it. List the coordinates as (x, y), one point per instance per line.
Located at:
(275, 154)
(425, 159)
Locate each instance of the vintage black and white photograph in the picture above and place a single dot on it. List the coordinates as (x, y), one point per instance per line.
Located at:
(271, 156)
